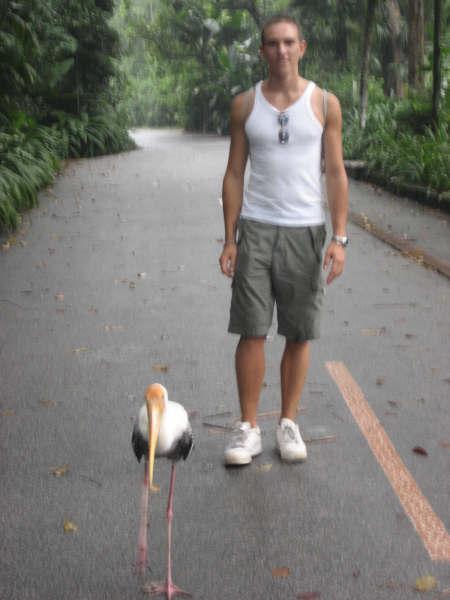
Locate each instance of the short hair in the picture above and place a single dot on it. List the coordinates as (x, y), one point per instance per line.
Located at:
(281, 19)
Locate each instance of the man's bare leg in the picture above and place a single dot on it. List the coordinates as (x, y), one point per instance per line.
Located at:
(294, 368)
(250, 370)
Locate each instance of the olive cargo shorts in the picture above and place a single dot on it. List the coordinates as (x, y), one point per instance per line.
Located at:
(282, 265)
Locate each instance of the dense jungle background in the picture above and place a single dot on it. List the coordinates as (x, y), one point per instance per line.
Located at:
(75, 76)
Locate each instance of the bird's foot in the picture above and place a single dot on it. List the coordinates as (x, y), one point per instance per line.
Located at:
(156, 588)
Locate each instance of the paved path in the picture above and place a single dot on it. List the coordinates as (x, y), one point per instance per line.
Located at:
(116, 274)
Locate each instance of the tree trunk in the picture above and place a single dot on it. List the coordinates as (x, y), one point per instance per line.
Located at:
(363, 91)
(437, 61)
(341, 48)
(392, 73)
(416, 44)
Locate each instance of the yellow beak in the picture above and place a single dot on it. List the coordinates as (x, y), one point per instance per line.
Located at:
(155, 407)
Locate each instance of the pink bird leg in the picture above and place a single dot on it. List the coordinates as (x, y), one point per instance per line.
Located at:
(168, 588)
(142, 555)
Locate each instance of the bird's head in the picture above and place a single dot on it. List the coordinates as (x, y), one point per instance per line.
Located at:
(156, 399)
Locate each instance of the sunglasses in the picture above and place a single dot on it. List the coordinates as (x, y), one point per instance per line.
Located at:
(283, 134)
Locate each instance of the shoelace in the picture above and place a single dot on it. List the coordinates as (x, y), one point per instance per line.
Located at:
(290, 434)
(239, 436)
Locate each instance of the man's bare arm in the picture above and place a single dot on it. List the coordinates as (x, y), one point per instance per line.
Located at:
(337, 187)
(233, 184)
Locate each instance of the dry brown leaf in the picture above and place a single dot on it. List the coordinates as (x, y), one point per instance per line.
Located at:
(263, 468)
(79, 350)
(132, 285)
(59, 297)
(308, 596)
(6, 245)
(46, 402)
(420, 450)
(59, 471)
(281, 572)
(380, 381)
(373, 331)
(7, 413)
(423, 584)
(161, 369)
(445, 444)
(69, 527)
(114, 328)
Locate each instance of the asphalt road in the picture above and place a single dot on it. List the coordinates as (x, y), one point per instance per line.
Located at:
(113, 283)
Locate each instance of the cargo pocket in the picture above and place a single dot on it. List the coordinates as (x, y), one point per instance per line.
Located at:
(318, 234)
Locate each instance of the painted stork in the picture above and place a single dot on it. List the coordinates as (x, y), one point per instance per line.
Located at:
(170, 435)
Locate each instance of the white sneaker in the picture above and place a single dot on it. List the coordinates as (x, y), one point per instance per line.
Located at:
(289, 441)
(244, 445)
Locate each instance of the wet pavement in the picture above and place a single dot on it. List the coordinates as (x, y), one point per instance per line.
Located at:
(113, 283)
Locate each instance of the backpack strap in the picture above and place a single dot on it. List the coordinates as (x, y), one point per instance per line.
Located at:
(323, 131)
(247, 102)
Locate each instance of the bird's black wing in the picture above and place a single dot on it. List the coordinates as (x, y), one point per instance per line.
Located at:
(140, 445)
(182, 447)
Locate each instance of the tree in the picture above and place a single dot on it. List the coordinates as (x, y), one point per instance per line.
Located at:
(416, 44)
(436, 61)
(363, 90)
(392, 77)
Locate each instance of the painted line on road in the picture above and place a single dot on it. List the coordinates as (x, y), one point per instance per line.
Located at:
(427, 524)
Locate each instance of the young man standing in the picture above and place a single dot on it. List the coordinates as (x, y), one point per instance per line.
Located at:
(280, 218)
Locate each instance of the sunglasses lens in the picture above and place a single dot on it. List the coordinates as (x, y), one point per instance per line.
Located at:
(283, 136)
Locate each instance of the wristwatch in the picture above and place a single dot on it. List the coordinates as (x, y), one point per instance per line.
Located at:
(342, 240)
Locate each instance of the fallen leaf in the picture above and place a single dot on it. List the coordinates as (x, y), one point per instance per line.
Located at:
(79, 350)
(45, 402)
(59, 297)
(62, 470)
(5, 246)
(373, 331)
(308, 596)
(161, 369)
(281, 572)
(445, 444)
(7, 413)
(420, 450)
(132, 285)
(423, 584)
(263, 468)
(380, 381)
(114, 328)
(69, 527)
(155, 489)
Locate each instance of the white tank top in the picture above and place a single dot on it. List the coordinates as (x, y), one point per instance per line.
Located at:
(285, 179)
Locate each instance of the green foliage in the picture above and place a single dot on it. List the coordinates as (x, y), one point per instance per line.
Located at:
(59, 91)
(28, 162)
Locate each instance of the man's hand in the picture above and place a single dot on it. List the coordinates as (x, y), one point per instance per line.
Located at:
(227, 259)
(336, 254)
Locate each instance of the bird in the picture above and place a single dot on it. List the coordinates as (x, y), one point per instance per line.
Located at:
(170, 436)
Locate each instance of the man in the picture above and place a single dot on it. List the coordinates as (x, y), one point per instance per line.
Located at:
(280, 218)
